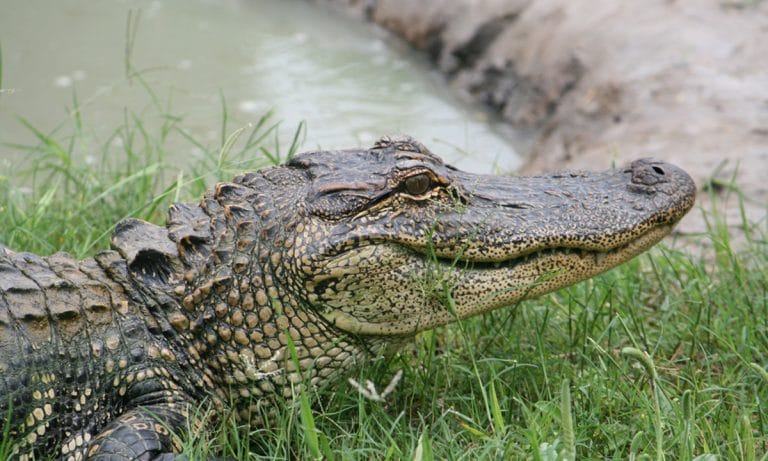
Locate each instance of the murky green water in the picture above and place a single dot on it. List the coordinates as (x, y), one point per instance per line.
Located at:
(349, 82)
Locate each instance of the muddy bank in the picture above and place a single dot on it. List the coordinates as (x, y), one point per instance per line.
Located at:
(597, 82)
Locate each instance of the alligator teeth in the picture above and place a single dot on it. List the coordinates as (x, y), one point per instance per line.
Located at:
(599, 257)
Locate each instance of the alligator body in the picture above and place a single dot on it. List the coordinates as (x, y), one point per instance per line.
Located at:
(335, 254)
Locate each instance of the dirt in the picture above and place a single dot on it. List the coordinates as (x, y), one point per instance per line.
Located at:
(597, 83)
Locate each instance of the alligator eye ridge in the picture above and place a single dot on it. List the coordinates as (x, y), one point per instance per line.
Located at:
(418, 184)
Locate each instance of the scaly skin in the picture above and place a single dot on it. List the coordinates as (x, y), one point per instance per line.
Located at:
(343, 253)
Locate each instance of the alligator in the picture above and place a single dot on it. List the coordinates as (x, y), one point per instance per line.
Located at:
(288, 277)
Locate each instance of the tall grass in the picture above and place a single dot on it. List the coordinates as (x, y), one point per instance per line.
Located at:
(66, 194)
(664, 357)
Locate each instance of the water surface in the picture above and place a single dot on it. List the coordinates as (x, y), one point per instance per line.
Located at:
(349, 82)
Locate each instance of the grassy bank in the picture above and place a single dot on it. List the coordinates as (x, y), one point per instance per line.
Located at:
(662, 358)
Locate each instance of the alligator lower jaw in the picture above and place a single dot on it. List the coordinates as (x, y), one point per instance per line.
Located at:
(478, 287)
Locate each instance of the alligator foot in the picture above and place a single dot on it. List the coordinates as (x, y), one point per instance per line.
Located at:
(175, 457)
(142, 434)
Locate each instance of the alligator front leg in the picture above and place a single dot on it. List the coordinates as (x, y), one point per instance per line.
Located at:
(144, 434)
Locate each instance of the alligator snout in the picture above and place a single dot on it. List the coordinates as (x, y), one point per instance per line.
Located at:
(652, 176)
(649, 172)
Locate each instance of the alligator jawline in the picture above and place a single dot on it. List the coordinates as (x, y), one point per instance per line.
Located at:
(598, 255)
(511, 263)
(528, 258)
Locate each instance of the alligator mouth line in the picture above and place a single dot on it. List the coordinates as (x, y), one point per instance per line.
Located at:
(530, 257)
(599, 255)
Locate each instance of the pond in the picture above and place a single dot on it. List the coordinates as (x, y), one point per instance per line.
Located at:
(349, 82)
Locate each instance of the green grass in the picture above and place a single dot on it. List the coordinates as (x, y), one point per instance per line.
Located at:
(662, 358)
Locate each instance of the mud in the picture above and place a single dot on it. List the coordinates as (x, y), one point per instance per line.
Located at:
(598, 82)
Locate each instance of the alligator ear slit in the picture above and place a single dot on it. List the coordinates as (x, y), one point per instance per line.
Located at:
(147, 249)
(151, 263)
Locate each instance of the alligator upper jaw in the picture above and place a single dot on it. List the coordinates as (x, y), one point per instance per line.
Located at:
(582, 211)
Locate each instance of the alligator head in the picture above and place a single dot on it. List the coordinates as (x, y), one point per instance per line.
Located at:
(389, 231)
(354, 250)
(385, 233)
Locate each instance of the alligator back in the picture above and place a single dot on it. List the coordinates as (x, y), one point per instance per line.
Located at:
(69, 336)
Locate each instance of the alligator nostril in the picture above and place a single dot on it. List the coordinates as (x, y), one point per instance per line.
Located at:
(649, 172)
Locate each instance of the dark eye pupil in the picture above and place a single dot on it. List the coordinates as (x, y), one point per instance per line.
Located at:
(417, 185)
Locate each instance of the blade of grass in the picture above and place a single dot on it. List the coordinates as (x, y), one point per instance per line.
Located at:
(747, 438)
(75, 113)
(298, 140)
(650, 368)
(149, 170)
(224, 118)
(5, 442)
(566, 422)
(226, 148)
(53, 146)
(423, 450)
(312, 435)
(498, 420)
(131, 29)
(1, 70)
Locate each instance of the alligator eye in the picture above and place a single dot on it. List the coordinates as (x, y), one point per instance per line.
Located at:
(418, 184)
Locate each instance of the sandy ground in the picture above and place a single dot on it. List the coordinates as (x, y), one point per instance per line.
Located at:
(600, 82)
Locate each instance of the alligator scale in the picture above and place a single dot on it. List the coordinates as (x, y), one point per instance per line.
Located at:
(330, 253)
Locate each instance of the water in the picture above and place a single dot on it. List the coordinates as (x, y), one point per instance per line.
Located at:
(349, 82)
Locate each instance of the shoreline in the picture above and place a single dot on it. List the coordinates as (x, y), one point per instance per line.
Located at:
(599, 84)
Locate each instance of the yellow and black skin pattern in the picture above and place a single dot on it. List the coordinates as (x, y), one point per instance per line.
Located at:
(287, 277)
